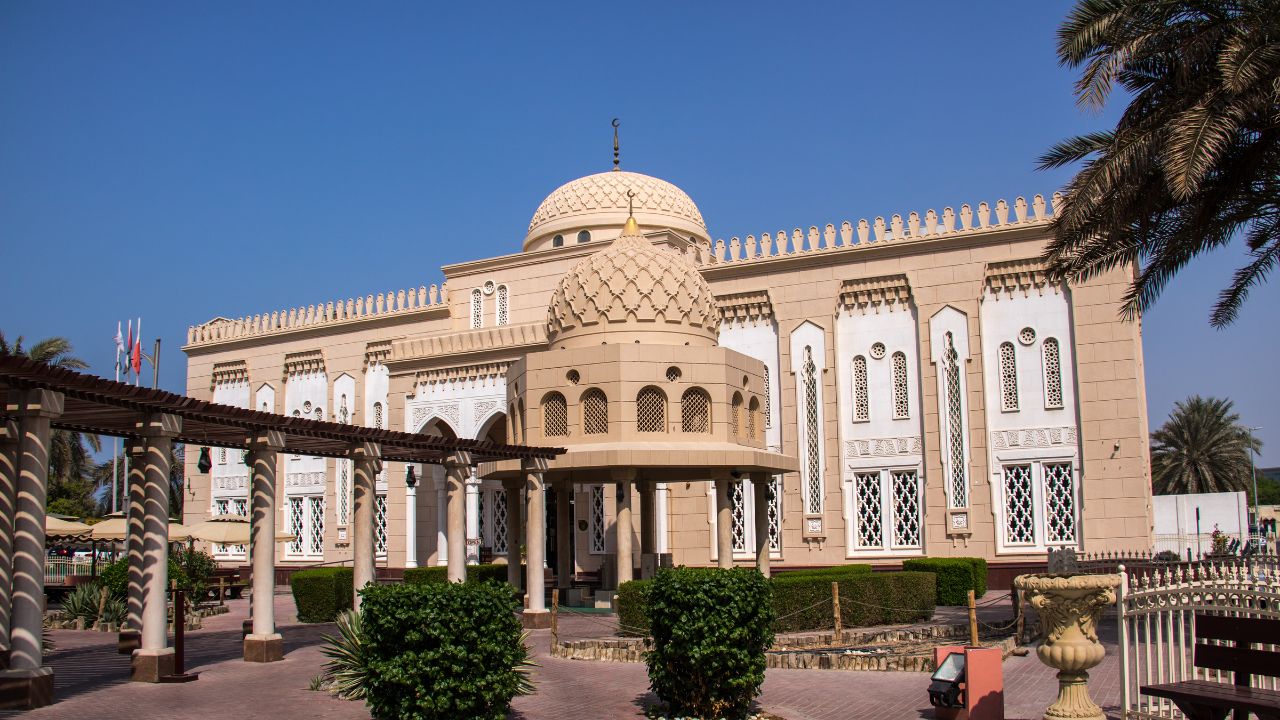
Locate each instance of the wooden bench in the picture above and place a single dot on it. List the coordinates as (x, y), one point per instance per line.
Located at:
(1209, 700)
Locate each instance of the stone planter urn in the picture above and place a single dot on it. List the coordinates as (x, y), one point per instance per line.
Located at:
(1069, 606)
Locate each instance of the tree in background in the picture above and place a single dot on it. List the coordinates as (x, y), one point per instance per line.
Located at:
(1202, 447)
(72, 487)
(1194, 159)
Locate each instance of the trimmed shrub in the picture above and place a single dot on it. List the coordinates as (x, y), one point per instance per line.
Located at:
(633, 608)
(711, 628)
(320, 594)
(440, 574)
(116, 577)
(837, 570)
(442, 650)
(956, 577)
(803, 602)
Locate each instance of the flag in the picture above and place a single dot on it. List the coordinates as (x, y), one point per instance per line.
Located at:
(128, 348)
(137, 351)
(119, 338)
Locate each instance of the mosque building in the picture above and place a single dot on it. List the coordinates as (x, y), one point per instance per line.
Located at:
(863, 392)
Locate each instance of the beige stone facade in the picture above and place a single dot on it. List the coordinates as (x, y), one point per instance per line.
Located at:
(903, 388)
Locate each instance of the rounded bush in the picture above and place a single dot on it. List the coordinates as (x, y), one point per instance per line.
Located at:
(441, 650)
(956, 577)
(710, 628)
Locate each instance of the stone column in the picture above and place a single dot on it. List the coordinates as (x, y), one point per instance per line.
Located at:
(8, 498)
(155, 659)
(457, 468)
(648, 529)
(410, 519)
(622, 522)
(724, 522)
(564, 536)
(511, 490)
(536, 615)
(762, 486)
(28, 680)
(130, 638)
(442, 524)
(367, 459)
(661, 505)
(473, 519)
(264, 644)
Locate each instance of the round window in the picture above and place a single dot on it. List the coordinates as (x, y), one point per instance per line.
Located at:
(488, 288)
(573, 377)
(877, 350)
(1027, 336)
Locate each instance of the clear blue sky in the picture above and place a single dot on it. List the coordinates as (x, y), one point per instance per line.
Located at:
(167, 159)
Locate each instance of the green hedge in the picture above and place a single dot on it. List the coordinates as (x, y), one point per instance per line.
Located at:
(115, 577)
(321, 593)
(803, 602)
(956, 577)
(827, 572)
(711, 628)
(633, 607)
(442, 650)
(440, 574)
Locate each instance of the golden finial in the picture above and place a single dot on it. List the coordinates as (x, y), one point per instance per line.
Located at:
(615, 144)
(631, 227)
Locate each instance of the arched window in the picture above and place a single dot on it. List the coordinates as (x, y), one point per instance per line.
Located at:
(813, 457)
(753, 412)
(557, 241)
(1052, 374)
(768, 400)
(861, 402)
(584, 236)
(320, 413)
(377, 415)
(504, 311)
(955, 425)
(1008, 378)
(477, 308)
(901, 405)
(555, 416)
(595, 412)
(735, 415)
(695, 411)
(651, 410)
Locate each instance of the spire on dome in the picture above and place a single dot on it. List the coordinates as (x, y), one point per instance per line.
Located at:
(615, 145)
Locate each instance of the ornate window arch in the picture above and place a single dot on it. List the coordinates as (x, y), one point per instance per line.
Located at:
(477, 309)
(651, 410)
(735, 415)
(695, 411)
(595, 412)
(768, 399)
(555, 415)
(813, 450)
(901, 392)
(504, 305)
(1052, 354)
(753, 414)
(861, 399)
(1008, 377)
(954, 421)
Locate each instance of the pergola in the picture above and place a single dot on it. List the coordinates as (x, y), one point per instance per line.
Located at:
(38, 398)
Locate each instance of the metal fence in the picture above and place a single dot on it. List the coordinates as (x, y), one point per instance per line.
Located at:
(56, 569)
(1157, 607)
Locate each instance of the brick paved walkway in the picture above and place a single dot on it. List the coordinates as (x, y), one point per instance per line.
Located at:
(92, 683)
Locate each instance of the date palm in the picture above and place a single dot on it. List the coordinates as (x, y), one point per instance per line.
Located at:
(1194, 160)
(1202, 447)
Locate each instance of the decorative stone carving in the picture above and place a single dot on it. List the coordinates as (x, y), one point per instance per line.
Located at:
(883, 447)
(482, 408)
(307, 480)
(1069, 607)
(1032, 438)
(448, 411)
(745, 308)
(608, 191)
(888, 292)
(231, 483)
(229, 373)
(307, 362)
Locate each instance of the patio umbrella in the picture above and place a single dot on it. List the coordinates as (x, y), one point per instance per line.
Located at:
(227, 530)
(64, 530)
(116, 528)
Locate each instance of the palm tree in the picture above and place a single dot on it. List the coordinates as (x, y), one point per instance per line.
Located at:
(1202, 447)
(1195, 158)
(70, 465)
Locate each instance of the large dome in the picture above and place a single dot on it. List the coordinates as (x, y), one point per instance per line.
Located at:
(632, 292)
(599, 201)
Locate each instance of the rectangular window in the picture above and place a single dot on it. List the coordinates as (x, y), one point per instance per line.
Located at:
(1019, 506)
(306, 524)
(1060, 504)
(500, 513)
(597, 520)
(775, 515)
(887, 510)
(869, 510)
(380, 525)
(738, 511)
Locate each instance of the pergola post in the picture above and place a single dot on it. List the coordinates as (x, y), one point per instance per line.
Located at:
(457, 468)
(28, 683)
(155, 658)
(130, 637)
(473, 518)
(511, 489)
(264, 644)
(564, 536)
(622, 523)
(8, 498)
(410, 518)
(724, 522)
(648, 530)
(761, 487)
(536, 615)
(367, 458)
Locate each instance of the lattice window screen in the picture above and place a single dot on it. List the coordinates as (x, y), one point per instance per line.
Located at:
(753, 412)
(869, 510)
(503, 305)
(555, 416)
(775, 515)
(738, 511)
(597, 520)
(1008, 377)
(906, 508)
(1019, 508)
(377, 415)
(482, 525)
(955, 427)
(239, 506)
(477, 309)
(695, 411)
(901, 394)
(651, 410)
(380, 525)
(595, 412)
(861, 401)
(315, 533)
(1060, 503)
(1052, 374)
(768, 399)
(500, 514)
(813, 449)
(735, 415)
(297, 524)
(343, 491)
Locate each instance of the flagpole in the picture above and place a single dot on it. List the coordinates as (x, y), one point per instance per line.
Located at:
(115, 441)
(155, 366)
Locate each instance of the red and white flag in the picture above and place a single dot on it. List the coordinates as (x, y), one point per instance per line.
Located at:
(128, 349)
(137, 351)
(119, 338)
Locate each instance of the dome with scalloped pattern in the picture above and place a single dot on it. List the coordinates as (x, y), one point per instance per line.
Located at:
(632, 292)
(599, 201)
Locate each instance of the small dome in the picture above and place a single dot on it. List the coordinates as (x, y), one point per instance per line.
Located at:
(600, 201)
(633, 291)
